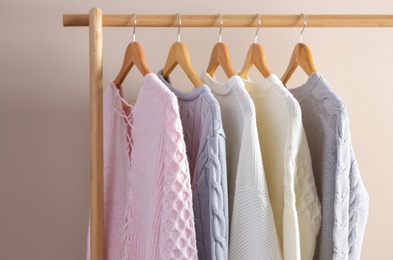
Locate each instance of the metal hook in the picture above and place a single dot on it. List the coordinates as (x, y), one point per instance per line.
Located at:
(304, 26)
(259, 25)
(178, 31)
(219, 35)
(133, 34)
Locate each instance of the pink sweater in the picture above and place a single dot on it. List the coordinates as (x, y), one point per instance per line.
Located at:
(147, 190)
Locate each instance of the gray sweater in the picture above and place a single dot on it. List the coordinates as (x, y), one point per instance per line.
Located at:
(205, 144)
(340, 189)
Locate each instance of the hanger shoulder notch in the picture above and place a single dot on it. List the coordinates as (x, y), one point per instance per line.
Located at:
(301, 56)
(178, 54)
(171, 60)
(133, 55)
(255, 56)
(305, 60)
(218, 57)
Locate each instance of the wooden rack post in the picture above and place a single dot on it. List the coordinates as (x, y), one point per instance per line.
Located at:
(96, 20)
(96, 137)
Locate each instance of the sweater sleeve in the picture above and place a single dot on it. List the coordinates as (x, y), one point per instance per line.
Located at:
(210, 196)
(358, 210)
(253, 234)
(219, 200)
(177, 230)
(341, 197)
(307, 202)
(308, 207)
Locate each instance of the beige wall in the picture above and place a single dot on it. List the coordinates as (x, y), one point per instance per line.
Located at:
(44, 117)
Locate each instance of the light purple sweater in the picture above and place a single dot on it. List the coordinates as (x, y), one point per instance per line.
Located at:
(205, 144)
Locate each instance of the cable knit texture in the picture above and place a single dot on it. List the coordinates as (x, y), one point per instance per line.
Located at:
(252, 231)
(339, 185)
(205, 142)
(147, 190)
(287, 163)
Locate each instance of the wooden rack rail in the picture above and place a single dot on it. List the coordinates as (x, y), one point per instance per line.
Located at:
(96, 20)
(171, 20)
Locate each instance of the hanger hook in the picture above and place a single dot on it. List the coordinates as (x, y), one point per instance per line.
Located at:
(259, 25)
(178, 31)
(219, 35)
(133, 34)
(304, 26)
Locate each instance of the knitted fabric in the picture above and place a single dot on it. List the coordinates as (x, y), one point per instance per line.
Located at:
(287, 164)
(339, 185)
(252, 231)
(147, 191)
(205, 142)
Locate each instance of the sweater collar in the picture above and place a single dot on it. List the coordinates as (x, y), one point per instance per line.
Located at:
(220, 88)
(181, 95)
(263, 86)
(305, 89)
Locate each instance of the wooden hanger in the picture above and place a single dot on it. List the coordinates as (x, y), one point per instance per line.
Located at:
(301, 56)
(220, 56)
(178, 54)
(255, 56)
(133, 55)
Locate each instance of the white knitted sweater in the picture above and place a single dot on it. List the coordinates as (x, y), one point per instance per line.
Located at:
(287, 163)
(252, 231)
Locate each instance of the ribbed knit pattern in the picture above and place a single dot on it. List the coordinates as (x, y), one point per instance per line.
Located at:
(152, 218)
(287, 164)
(205, 144)
(252, 231)
(339, 185)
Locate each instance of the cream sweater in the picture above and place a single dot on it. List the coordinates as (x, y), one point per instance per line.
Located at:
(252, 231)
(287, 164)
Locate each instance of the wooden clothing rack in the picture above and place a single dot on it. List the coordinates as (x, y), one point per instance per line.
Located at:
(96, 20)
